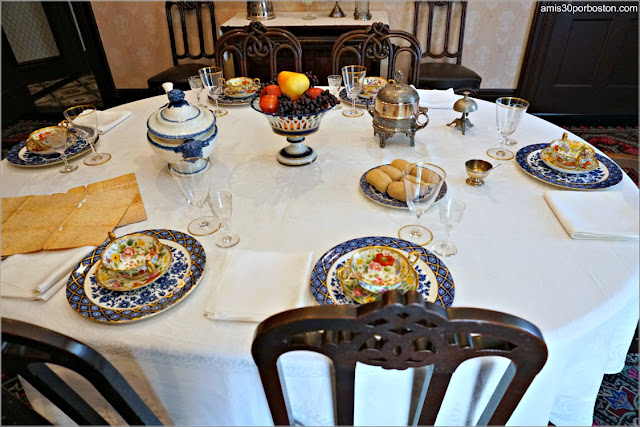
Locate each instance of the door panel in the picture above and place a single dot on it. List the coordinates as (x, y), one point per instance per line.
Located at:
(582, 63)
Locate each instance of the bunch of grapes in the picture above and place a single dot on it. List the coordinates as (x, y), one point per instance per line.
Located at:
(313, 79)
(305, 104)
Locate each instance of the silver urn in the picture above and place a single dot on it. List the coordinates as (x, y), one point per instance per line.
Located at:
(396, 109)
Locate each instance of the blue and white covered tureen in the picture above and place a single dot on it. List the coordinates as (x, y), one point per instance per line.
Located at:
(179, 130)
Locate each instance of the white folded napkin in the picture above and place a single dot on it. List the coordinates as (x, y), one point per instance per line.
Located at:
(437, 99)
(107, 120)
(39, 276)
(255, 285)
(602, 215)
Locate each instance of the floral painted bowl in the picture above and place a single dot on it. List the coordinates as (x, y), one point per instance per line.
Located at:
(362, 296)
(136, 278)
(571, 154)
(378, 268)
(37, 141)
(240, 87)
(130, 253)
(372, 85)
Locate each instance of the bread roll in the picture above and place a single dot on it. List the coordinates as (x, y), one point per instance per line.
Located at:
(378, 179)
(393, 173)
(399, 164)
(419, 185)
(396, 190)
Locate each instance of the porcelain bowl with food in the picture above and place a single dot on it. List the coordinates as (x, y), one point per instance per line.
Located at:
(372, 85)
(240, 87)
(378, 268)
(37, 141)
(136, 278)
(130, 253)
(571, 154)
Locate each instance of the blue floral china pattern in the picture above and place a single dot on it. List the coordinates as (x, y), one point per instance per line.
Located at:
(384, 199)
(19, 155)
(228, 100)
(88, 298)
(606, 175)
(435, 280)
(359, 100)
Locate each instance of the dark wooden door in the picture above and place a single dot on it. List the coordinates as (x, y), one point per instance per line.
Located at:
(581, 60)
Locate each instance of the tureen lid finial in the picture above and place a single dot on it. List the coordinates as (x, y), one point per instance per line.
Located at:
(175, 95)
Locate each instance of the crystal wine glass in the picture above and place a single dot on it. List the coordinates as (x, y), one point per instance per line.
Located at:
(193, 176)
(422, 183)
(509, 111)
(353, 76)
(211, 80)
(195, 83)
(59, 139)
(309, 16)
(335, 82)
(84, 120)
(220, 203)
(451, 211)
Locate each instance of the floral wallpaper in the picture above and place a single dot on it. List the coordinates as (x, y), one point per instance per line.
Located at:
(136, 38)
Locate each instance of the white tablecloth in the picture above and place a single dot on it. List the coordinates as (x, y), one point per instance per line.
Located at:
(514, 256)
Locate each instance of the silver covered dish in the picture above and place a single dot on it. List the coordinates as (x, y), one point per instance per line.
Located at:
(396, 110)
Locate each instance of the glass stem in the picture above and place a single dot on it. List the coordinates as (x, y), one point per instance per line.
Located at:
(447, 229)
(64, 159)
(353, 101)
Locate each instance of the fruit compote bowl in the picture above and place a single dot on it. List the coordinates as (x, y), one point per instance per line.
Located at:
(295, 127)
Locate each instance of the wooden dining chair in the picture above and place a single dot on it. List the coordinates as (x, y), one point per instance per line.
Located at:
(397, 332)
(444, 75)
(179, 73)
(26, 351)
(377, 43)
(259, 51)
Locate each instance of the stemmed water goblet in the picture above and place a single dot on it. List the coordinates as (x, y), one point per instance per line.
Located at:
(195, 83)
(509, 111)
(221, 205)
(59, 139)
(84, 121)
(422, 183)
(451, 211)
(193, 176)
(353, 76)
(309, 16)
(212, 80)
(335, 82)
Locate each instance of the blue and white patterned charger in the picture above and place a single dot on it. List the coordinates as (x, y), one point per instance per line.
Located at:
(386, 200)
(19, 155)
(227, 100)
(435, 281)
(359, 101)
(606, 175)
(95, 302)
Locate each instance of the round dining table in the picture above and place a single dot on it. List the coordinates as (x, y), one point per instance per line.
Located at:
(513, 256)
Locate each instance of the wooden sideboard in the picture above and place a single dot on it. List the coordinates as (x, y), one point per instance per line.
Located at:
(316, 37)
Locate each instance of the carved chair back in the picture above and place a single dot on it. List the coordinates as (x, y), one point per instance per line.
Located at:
(431, 48)
(26, 351)
(401, 331)
(184, 8)
(258, 44)
(375, 44)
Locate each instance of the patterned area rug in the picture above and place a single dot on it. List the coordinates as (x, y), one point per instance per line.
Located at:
(617, 403)
(613, 140)
(84, 90)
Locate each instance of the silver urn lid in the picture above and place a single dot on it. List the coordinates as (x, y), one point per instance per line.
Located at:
(397, 93)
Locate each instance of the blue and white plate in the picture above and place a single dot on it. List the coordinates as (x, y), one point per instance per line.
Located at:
(95, 302)
(19, 155)
(385, 199)
(436, 283)
(362, 102)
(607, 174)
(227, 100)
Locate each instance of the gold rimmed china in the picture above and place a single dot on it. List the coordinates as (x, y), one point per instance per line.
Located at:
(123, 281)
(547, 156)
(240, 87)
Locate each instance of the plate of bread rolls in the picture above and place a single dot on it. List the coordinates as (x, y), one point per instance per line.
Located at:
(434, 278)
(383, 185)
